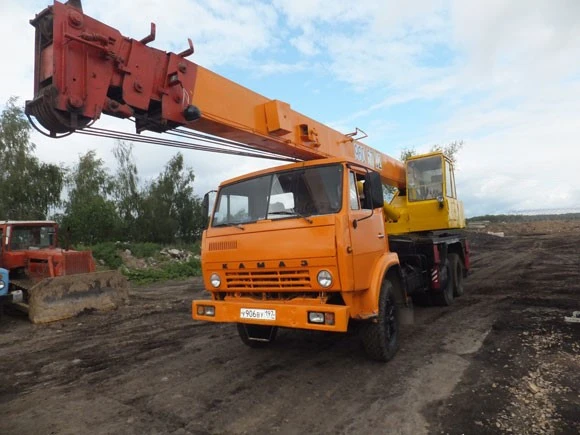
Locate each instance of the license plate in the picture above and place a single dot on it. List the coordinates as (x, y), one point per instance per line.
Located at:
(256, 314)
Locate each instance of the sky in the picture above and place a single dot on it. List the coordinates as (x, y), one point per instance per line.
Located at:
(502, 76)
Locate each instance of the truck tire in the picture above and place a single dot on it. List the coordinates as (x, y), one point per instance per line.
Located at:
(257, 336)
(444, 296)
(381, 339)
(456, 266)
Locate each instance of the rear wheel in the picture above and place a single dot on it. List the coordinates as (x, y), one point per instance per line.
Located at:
(456, 266)
(444, 296)
(381, 339)
(257, 336)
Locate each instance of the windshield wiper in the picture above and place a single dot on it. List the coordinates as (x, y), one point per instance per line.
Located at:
(283, 212)
(292, 213)
(238, 226)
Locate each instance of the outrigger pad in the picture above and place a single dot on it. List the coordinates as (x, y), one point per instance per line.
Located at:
(63, 297)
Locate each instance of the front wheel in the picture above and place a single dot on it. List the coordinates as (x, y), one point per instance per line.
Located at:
(381, 338)
(257, 336)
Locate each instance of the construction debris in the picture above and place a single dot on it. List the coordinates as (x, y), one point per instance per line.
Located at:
(574, 319)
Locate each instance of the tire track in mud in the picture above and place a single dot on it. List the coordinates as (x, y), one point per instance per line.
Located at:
(148, 368)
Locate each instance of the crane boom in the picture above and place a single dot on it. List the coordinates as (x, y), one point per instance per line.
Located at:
(84, 68)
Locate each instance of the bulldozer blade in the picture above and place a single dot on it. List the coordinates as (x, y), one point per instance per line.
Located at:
(63, 297)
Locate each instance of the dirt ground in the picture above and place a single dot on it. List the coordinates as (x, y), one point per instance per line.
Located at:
(500, 360)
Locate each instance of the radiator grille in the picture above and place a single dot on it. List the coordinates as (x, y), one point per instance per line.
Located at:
(275, 280)
(77, 262)
(221, 246)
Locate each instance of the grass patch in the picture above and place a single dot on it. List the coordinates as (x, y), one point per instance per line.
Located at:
(108, 253)
(144, 250)
(166, 271)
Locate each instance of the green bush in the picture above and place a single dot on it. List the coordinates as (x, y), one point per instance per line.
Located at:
(166, 271)
(108, 252)
(196, 248)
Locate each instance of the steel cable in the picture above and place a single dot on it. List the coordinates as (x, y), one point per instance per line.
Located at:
(225, 146)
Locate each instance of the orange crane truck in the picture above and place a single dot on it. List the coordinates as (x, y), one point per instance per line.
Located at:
(342, 234)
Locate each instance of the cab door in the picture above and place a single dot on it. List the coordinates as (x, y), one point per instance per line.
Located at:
(367, 231)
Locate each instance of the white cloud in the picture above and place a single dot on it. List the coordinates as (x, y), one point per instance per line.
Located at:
(509, 78)
(223, 31)
(503, 76)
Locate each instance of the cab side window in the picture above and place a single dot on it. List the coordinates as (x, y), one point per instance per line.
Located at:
(359, 190)
(353, 193)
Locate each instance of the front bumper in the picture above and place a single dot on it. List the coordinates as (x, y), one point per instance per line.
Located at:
(292, 314)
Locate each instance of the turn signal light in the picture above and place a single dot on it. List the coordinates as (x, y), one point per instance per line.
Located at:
(329, 318)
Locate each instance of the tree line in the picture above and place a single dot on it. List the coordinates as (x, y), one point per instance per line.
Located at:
(90, 203)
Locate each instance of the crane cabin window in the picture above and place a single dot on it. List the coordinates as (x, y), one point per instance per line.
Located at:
(449, 180)
(308, 191)
(424, 178)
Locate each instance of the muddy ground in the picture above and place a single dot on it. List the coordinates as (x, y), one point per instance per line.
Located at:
(500, 360)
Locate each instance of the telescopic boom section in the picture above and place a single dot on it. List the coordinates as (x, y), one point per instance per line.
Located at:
(84, 68)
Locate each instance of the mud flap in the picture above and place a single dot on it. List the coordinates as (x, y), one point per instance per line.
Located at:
(63, 297)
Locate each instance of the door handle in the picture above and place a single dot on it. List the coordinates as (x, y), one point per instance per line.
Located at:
(381, 236)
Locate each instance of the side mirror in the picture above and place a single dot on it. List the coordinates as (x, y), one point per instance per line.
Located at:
(206, 206)
(375, 189)
(205, 210)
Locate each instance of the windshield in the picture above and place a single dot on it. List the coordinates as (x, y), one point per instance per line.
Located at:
(424, 178)
(27, 237)
(296, 193)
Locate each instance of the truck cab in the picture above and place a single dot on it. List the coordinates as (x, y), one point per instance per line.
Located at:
(29, 249)
(299, 246)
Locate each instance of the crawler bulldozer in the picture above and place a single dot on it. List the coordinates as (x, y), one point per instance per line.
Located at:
(52, 283)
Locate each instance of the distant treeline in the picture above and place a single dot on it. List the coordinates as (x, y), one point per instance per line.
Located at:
(495, 218)
(91, 203)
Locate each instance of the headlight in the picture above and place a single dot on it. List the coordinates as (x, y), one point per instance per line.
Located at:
(215, 280)
(206, 310)
(2, 284)
(324, 278)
